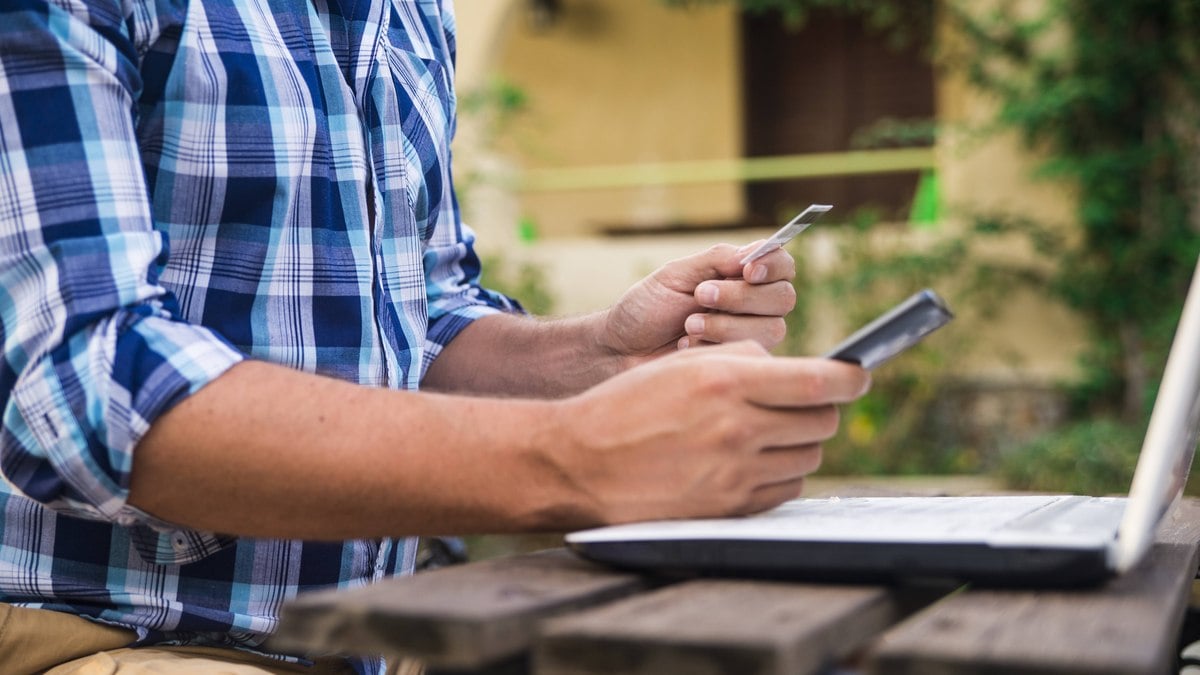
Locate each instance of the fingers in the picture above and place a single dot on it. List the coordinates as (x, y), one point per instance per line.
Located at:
(776, 298)
(742, 348)
(745, 309)
(778, 465)
(802, 382)
(794, 428)
(782, 479)
(769, 402)
(769, 496)
(767, 331)
(714, 279)
(778, 265)
(748, 372)
(723, 261)
(716, 262)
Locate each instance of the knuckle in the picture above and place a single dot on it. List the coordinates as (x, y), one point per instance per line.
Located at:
(732, 434)
(732, 480)
(713, 382)
(789, 296)
(733, 294)
(790, 265)
(816, 385)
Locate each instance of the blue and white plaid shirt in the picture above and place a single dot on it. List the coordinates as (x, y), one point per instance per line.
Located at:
(183, 184)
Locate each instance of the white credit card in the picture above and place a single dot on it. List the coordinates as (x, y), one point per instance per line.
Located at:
(786, 233)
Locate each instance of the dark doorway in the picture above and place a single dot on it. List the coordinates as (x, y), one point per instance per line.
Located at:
(812, 90)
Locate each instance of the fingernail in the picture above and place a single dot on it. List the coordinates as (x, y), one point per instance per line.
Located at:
(683, 343)
(694, 324)
(707, 293)
(758, 274)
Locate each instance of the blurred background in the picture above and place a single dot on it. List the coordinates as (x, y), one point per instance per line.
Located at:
(1034, 162)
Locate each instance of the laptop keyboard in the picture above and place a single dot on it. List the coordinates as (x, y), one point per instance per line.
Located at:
(1007, 520)
(931, 516)
(1077, 514)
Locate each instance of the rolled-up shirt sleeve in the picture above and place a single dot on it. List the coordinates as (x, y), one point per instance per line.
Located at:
(452, 280)
(93, 352)
(456, 298)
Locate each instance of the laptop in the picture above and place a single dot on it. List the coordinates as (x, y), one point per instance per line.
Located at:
(1051, 541)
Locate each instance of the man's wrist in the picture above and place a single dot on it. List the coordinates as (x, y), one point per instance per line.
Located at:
(607, 346)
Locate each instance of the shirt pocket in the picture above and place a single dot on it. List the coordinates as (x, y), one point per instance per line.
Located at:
(425, 117)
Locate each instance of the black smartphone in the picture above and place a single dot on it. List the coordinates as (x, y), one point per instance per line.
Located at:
(896, 330)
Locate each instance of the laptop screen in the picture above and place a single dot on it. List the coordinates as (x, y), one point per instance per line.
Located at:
(1171, 437)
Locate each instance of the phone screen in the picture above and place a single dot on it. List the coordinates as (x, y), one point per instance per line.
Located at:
(895, 331)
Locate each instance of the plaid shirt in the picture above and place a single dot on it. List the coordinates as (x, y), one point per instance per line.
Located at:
(183, 184)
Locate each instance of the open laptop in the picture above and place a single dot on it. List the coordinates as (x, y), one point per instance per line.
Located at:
(1012, 540)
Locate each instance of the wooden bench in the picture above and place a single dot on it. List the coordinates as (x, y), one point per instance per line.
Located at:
(551, 613)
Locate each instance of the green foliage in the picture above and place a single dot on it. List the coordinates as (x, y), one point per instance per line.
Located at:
(526, 282)
(890, 431)
(495, 107)
(891, 132)
(1094, 458)
(1109, 91)
(499, 102)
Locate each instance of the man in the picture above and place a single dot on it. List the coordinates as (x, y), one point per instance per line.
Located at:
(230, 255)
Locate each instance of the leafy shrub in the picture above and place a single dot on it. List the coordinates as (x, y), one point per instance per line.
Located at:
(1093, 457)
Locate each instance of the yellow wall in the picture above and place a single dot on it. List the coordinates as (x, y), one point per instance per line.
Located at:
(619, 82)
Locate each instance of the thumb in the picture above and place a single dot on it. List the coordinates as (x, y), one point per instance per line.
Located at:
(719, 261)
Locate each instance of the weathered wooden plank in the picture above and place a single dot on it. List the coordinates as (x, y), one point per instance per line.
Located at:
(461, 617)
(1127, 626)
(720, 627)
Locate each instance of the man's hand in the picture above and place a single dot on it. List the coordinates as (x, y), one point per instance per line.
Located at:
(704, 298)
(712, 432)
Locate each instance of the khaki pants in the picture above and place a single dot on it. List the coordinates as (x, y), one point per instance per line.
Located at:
(55, 643)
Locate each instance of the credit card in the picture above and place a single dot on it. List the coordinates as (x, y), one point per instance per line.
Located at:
(786, 233)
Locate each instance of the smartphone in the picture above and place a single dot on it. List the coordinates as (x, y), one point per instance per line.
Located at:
(788, 232)
(896, 330)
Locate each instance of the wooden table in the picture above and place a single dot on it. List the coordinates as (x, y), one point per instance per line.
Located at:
(551, 613)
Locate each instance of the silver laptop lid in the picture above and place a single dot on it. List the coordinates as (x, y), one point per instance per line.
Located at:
(1166, 457)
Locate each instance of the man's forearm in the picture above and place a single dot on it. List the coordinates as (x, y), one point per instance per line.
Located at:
(266, 451)
(509, 355)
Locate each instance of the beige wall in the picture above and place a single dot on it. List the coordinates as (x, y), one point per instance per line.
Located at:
(988, 172)
(629, 81)
(615, 82)
(1029, 337)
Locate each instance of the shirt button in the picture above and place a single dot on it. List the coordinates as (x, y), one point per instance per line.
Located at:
(126, 521)
(178, 542)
